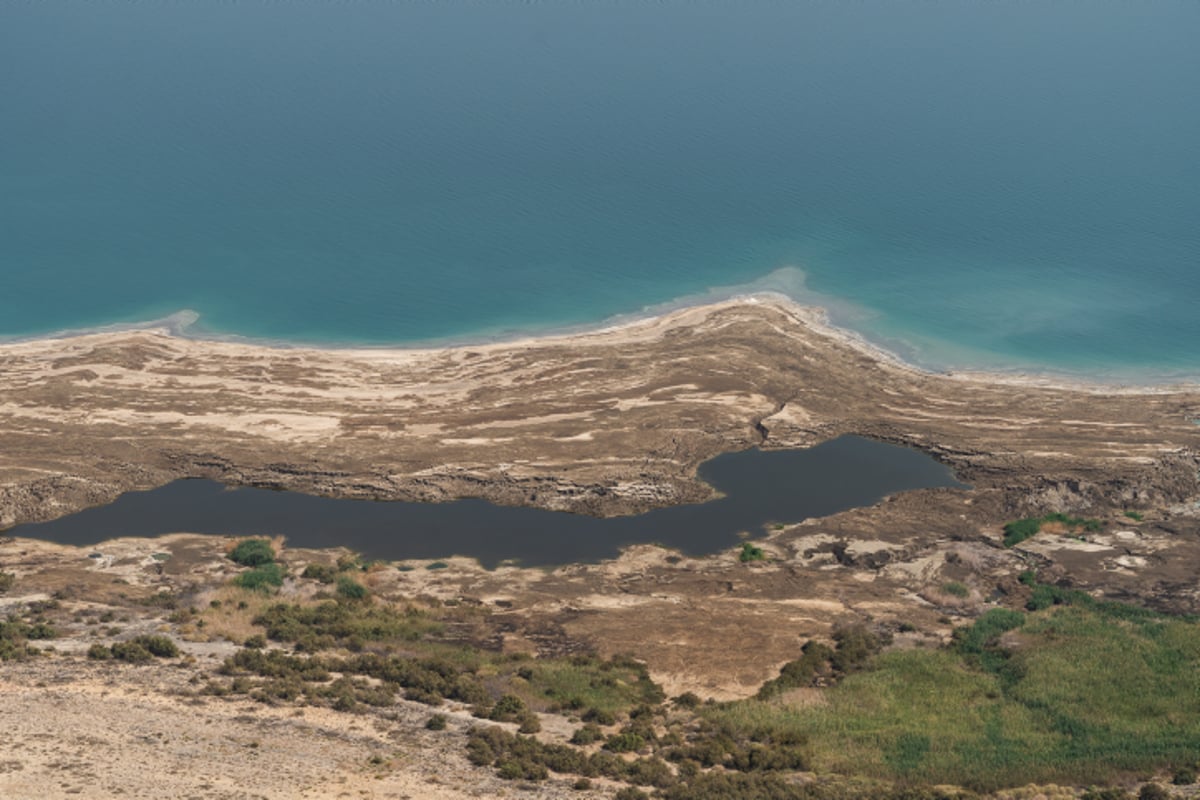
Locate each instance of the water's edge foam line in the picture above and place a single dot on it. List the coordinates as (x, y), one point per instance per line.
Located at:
(786, 288)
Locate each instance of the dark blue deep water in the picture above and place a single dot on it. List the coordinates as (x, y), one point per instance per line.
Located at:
(758, 487)
(978, 184)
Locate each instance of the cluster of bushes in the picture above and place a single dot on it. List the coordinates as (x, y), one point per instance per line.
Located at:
(252, 553)
(501, 688)
(343, 624)
(820, 664)
(15, 633)
(510, 708)
(518, 757)
(136, 650)
(595, 688)
(347, 587)
(295, 678)
(749, 770)
(264, 573)
(1019, 530)
(322, 573)
(427, 680)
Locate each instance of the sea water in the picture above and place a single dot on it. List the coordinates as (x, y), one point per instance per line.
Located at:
(994, 185)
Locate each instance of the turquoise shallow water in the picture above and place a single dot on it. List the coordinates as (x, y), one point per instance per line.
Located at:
(978, 185)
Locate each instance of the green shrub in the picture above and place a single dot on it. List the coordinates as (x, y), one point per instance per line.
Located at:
(350, 589)
(131, 651)
(1136, 516)
(436, 723)
(630, 793)
(437, 565)
(955, 588)
(586, 735)
(855, 646)
(157, 645)
(1019, 530)
(522, 769)
(813, 664)
(750, 552)
(1184, 776)
(136, 650)
(508, 708)
(262, 578)
(624, 743)
(599, 716)
(252, 553)
(6, 581)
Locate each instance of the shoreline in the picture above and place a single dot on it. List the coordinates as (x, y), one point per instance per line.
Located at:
(784, 287)
(819, 318)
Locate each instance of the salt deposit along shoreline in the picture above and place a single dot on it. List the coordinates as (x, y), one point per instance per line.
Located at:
(606, 422)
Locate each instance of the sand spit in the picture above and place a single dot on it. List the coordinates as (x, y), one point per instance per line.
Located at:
(607, 422)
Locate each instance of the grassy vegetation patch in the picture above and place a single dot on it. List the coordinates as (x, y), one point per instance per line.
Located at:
(1079, 692)
(341, 624)
(262, 578)
(1019, 530)
(591, 685)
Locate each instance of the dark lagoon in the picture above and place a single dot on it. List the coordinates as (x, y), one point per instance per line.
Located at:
(760, 488)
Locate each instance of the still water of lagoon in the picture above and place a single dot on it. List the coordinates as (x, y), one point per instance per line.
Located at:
(758, 488)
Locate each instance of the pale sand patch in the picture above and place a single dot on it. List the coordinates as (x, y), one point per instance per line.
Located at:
(112, 732)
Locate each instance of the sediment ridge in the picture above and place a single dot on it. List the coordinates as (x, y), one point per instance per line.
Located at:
(608, 422)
